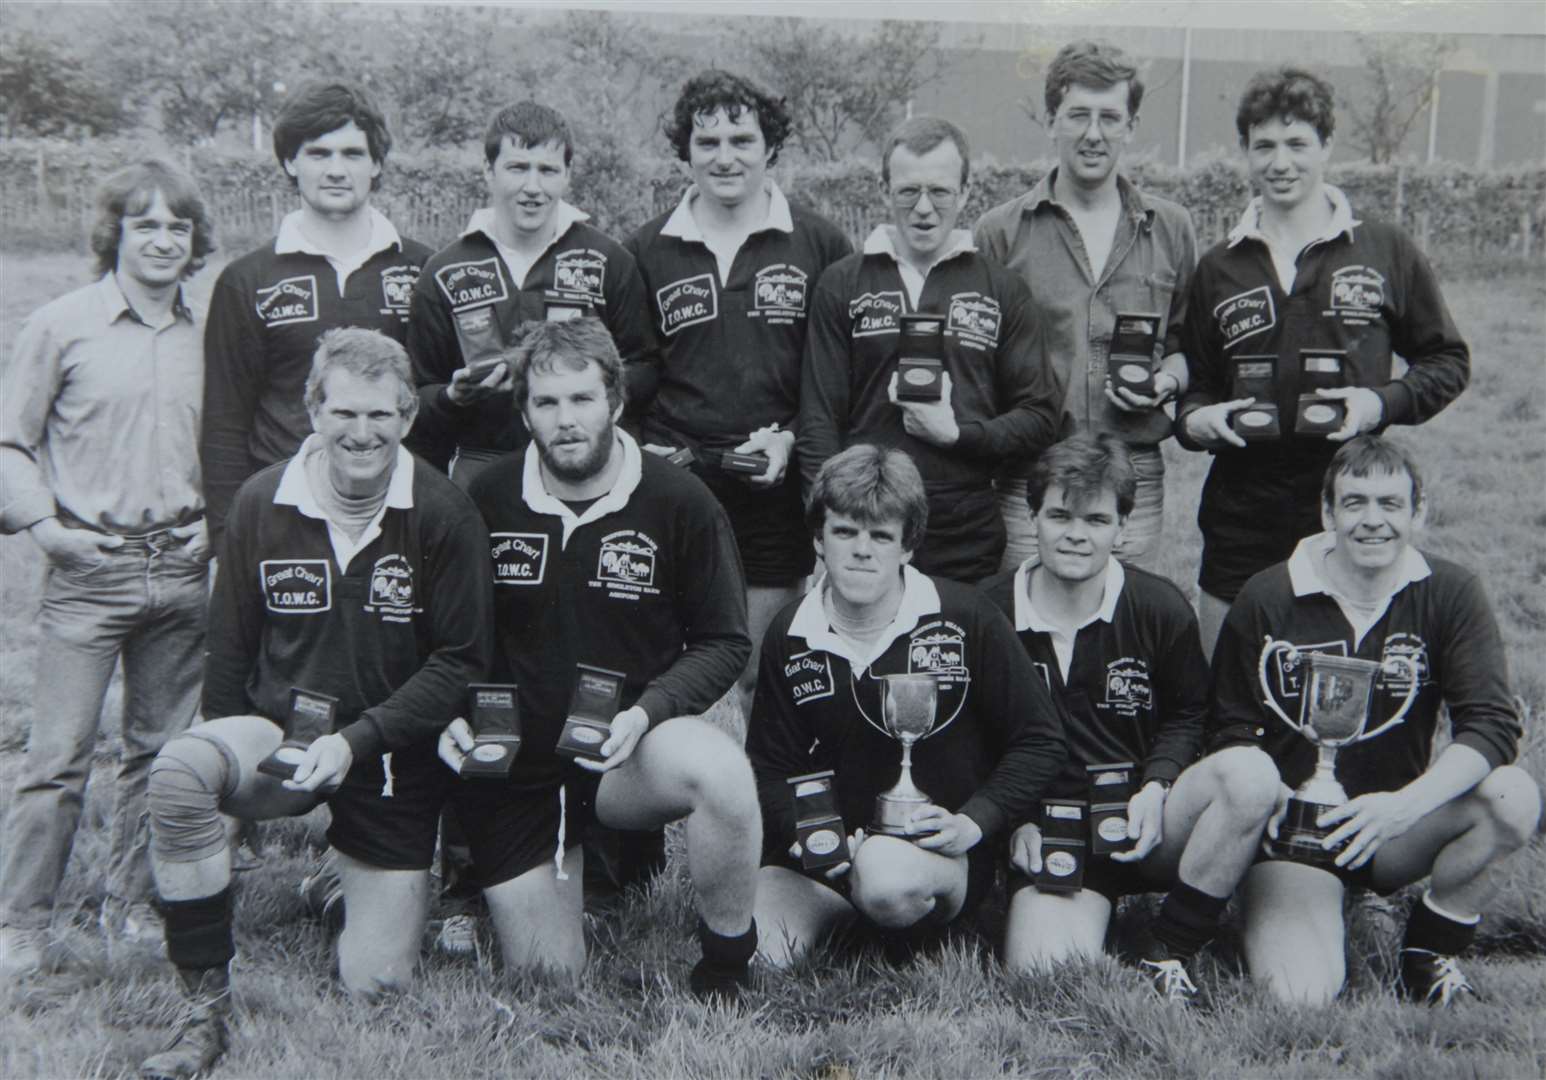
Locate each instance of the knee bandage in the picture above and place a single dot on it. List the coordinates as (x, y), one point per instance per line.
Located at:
(188, 779)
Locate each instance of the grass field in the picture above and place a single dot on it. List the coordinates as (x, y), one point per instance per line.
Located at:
(948, 1015)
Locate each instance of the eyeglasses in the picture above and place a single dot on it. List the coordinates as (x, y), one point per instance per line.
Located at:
(943, 198)
(1077, 122)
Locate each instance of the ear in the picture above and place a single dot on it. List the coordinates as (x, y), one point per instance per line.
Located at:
(1420, 518)
(1327, 523)
(1122, 520)
(617, 413)
(907, 557)
(290, 167)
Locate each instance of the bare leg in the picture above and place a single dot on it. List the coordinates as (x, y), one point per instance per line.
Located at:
(1294, 932)
(1048, 929)
(897, 884)
(795, 914)
(380, 943)
(1214, 817)
(537, 917)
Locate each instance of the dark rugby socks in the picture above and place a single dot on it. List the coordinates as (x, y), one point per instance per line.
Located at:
(1188, 920)
(198, 932)
(1438, 931)
(727, 953)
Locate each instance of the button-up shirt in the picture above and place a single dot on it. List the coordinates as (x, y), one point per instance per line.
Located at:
(99, 421)
(1151, 260)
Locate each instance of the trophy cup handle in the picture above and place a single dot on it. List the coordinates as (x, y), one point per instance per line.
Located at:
(1269, 650)
(1411, 692)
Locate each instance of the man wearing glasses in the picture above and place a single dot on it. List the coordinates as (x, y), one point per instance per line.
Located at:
(1092, 246)
(921, 343)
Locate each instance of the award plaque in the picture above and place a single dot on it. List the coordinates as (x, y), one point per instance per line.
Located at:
(1063, 829)
(494, 713)
(558, 310)
(1111, 786)
(920, 362)
(1132, 351)
(483, 344)
(597, 695)
(1320, 369)
(753, 464)
(311, 717)
(818, 825)
(909, 706)
(683, 458)
(1336, 695)
(1256, 377)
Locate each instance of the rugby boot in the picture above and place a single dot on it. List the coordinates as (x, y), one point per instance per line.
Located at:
(201, 1036)
(1170, 975)
(724, 971)
(1431, 978)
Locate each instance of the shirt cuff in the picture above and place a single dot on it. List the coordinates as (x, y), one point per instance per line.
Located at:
(364, 737)
(1396, 397)
(1483, 746)
(969, 437)
(657, 706)
(1162, 769)
(989, 818)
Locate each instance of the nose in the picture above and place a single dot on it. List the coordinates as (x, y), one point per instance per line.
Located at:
(359, 430)
(724, 153)
(864, 547)
(1280, 158)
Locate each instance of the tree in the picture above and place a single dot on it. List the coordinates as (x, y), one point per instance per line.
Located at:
(445, 71)
(48, 89)
(1401, 73)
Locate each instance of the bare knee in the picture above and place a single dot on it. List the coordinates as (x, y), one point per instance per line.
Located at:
(372, 972)
(1511, 800)
(711, 769)
(887, 893)
(1246, 781)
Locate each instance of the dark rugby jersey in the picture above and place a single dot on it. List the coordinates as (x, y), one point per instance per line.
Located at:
(583, 266)
(1366, 289)
(1440, 618)
(998, 742)
(396, 636)
(1137, 685)
(728, 352)
(266, 314)
(646, 582)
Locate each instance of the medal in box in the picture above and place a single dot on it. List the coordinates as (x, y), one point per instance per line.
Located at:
(1256, 377)
(1111, 786)
(311, 717)
(753, 464)
(920, 362)
(558, 309)
(482, 342)
(1132, 351)
(1064, 825)
(494, 713)
(1320, 369)
(598, 693)
(818, 825)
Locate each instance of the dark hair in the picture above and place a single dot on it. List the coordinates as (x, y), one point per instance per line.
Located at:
(870, 484)
(130, 191)
(922, 134)
(369, 354)
(1286, 93)
(528, 124)
(317, 108)
(1083, 466)
(716, 89)
(1370, 455)
(1098, 65)
(548, 347)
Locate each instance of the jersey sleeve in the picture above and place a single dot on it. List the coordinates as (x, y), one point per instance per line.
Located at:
(1472, 672)
(1207, 383)
(435, 354)
(824, 377)
(1424, 335)
(1027, 396)
(777, 743)
(627, 317)
(236, 612)
(234, 356)
(1183, 694)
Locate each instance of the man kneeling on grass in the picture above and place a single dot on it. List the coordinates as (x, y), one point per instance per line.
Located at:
(834, 668)
(1120, 649)
(1360, 589)
(353, 599)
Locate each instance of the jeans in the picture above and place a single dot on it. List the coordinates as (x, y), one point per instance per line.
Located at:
(1144, 524)
(146, 602)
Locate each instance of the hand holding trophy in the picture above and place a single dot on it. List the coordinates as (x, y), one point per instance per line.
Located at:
(909, 705)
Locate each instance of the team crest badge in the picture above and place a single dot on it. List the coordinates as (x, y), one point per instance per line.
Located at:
(627, 559)
(397, 289)
(1357, 290)
(1414, 649)
(1127, 684)
(1246, 315)
(580, 273)
(975, 316)
(810, 677)
(293, 300)
(519, 558)
(779, 290)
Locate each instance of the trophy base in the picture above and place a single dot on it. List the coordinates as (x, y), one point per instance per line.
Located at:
(892, 813)
(1299, 837)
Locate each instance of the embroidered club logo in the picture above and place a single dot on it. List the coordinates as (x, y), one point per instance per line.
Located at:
(1127, 684)
(626, 558)
(1291, 670)
(810, 677)
(391, 583)
(293, 300)
(519, 558)
(1414, 649)
(938, 652)
(1246, 315)
(296, 586)
(875, 313)
(687, 302)
(779, 290)
(973, 315)
(471, 284)
(1357, 290)
(397, 289)
(580, 273)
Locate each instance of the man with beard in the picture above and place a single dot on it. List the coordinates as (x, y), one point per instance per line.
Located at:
(606, 557)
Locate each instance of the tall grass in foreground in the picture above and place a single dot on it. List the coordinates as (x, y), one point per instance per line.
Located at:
(950, 1013)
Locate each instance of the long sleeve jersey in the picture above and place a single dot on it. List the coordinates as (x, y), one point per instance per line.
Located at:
(1439, 618)
(727, 348)
(267, 313)
(997, 745)
(645, 582)
(583, 266)
(1137, 682)
(396, 634)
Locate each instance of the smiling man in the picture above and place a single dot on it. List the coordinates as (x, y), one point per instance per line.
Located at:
(995, 400)
(1091, 245)
(1362, 589)
(529, 256)
(336, 261)
(99, 424)
(1299, 281)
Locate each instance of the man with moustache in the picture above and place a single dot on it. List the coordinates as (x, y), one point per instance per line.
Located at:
(99, 425)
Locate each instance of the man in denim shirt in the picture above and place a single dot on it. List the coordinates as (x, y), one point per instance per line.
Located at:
(1091, 246)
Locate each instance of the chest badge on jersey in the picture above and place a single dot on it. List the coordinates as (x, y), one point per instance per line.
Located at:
(975, 318)
(293, 300)
(938, 649)
(1357, 292)
(810, 677)
(687, 302)
(1246, 315)
(580, 273)
(297, 586)
(397, 289)
(625, 566)
(1291, 668)
(472, 283)
(1415, 649)
(779, 291)
(519, 558)
(391, 589)
(876, 313)
(1127, 685)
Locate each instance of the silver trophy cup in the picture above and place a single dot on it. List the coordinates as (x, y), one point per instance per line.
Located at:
(1335, 699)
(909, 707)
